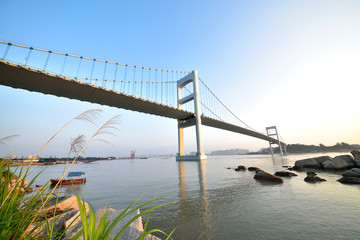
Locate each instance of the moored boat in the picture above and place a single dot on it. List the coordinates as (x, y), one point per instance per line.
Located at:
(70, 180)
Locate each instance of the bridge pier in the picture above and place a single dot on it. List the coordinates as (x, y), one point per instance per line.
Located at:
(194, 120)
(272, 131)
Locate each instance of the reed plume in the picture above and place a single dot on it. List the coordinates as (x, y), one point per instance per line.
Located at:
(4, 139)
(76, 144)
(89, 116)
(104, 129)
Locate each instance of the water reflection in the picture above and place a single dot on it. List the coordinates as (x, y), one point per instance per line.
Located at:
(204, 195)
(278, 160)
(201, 204)
(68, 190)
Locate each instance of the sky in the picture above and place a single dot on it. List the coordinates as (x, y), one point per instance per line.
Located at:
(293, 64)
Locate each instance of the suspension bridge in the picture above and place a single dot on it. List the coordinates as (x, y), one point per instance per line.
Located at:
(179, 95)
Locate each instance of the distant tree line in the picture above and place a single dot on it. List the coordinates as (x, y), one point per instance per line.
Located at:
(302, 148)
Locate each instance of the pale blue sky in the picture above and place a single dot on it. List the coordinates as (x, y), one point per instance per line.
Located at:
(294, 64)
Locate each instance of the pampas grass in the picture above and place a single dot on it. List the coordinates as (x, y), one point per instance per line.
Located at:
(19, 213)
(4, 139)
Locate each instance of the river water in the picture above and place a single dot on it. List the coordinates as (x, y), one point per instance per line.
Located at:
(211, 200)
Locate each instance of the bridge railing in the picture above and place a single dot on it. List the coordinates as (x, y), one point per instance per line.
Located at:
(152, 84)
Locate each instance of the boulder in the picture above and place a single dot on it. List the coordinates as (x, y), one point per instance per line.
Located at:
(133, 231)
(348, 159)
(311, 163)
(15, 182)
(285, 174)
(349, 180)
(312, 178)
(254, 169)
(61, 222)
(339, 162)
(262, 175)
(356, 155)
(311, 174)
(62, 204)
(240, 168)
(351, 176)
(354, 172)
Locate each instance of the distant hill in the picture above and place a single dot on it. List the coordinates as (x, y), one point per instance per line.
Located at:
(302, 148)
(235, 151)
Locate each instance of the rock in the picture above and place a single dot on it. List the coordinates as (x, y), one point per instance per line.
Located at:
(313, 179)
(240, 168)
(40, 231)
(134, 231)
(228, 168)
(262, 175)
(351, 176)
(72, 217)
(339, 162)
(311, 174)
(311, 163)
(286, 166)
(285, 174)
(253, 169)
(354, 172)
(349, 180)
(290, 169)
(15, 182)
(356, 155)
(348, 159)
(63, 204)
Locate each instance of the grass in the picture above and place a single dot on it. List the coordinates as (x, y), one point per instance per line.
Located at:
(23, 216)
(94, 229)
(17, 211)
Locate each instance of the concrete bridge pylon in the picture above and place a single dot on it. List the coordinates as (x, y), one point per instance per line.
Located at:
(194, 120)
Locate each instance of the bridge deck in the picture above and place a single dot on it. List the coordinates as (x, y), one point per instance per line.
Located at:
(17, 76)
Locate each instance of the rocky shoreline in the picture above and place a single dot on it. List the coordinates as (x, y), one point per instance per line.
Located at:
(64, 215)
(350, 164)
(67, 217)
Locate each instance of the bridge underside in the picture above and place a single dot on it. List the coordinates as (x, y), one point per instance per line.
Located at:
(229, 127)
(17, 76)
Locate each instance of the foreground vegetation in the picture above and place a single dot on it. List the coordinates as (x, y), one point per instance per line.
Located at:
(24, 216)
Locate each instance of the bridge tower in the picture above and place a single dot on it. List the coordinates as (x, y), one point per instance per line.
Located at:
(272, 131)
(194, 120)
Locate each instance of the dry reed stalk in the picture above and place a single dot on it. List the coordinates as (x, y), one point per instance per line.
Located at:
(76, 144)
(4, 139)
(89, 116)
(110, 124)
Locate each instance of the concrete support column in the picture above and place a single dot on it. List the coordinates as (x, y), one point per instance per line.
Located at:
(191, 120)
(200, 150)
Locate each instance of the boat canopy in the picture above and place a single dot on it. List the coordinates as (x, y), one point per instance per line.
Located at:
(75, 174)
